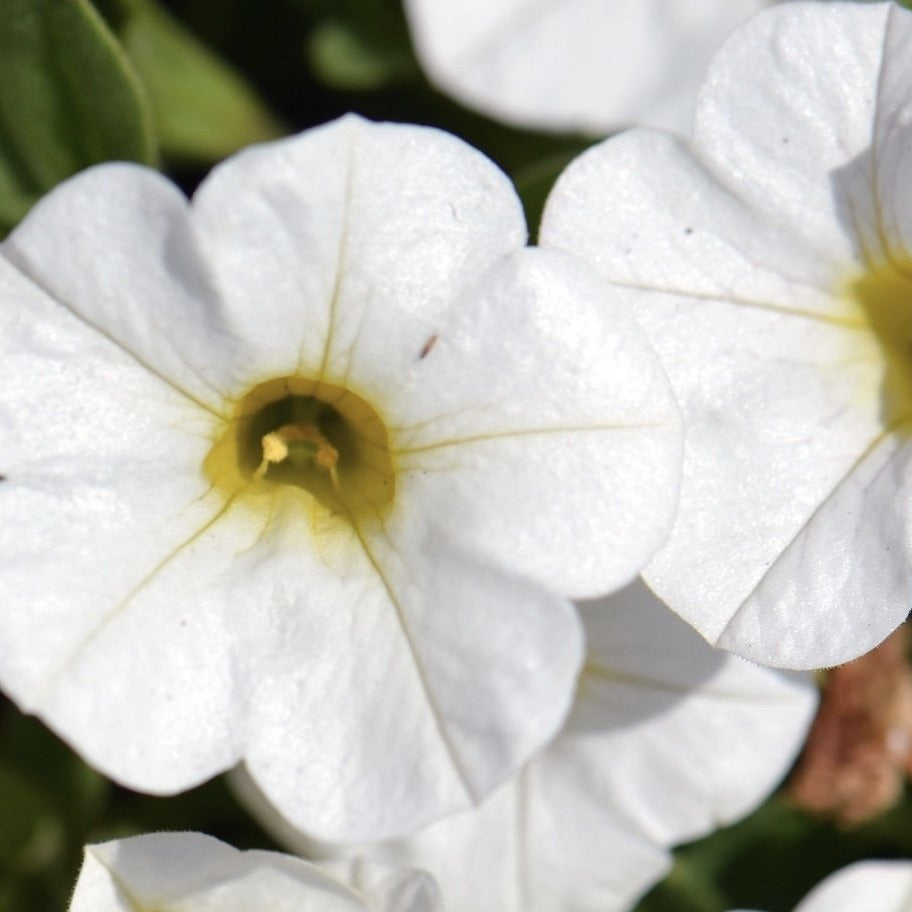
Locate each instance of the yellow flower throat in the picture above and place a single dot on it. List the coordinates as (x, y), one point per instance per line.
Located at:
(298, 435)
(885, 296)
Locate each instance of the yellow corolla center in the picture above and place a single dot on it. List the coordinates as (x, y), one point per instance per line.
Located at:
(306, 438)
(885, 297)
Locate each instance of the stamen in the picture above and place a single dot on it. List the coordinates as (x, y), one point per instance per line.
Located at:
(279, 445)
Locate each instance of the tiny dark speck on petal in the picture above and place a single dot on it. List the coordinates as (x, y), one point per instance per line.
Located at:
(2, 477)
(688, 230)
(426, 348)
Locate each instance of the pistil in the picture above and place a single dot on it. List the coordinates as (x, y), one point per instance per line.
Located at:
(300, 444)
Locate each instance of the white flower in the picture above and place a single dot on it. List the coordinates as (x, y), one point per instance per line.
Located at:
(190, 872)
(589, 65)
(668, 740)
(301, 472)
(771, 264)
(867, 886)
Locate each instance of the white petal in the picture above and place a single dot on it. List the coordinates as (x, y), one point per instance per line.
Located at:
(427, 675)
(653, 215)
(319, 241)
(842, 584)
(589, 65)
(388, 889)
(114, 246)
(890, 188)
(868, 886)
(665, 702)
(541, 426)
(197, 873)
(98, 492)
(587, 825)
(788, 103)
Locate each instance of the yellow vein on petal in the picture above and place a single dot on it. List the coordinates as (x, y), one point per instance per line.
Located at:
(339, 277)
(724, 298)
(352, 347)
(529, 432)
(128, 598)
(596, 671)
(117, 343)
(416, 661)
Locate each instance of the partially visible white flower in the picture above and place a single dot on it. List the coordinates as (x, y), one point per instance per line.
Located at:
(771, 264)
(191, 872)
(301, 473)
(668, 740)
(867, 886)
(587, 65)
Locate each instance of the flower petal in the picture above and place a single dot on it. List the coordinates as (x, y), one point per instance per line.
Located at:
(354, 227)
(114, 246)
(652, 214)
(428, 676)
(665, 702)
(779, 138)
(843, 583)
(589, 65)
(891, 189)
(541, 426)
(201, 874)
(867, 886)
(96, 494)
(388, 889)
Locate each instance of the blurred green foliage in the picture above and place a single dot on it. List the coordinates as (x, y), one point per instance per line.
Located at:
(201, 108)
(68, 98)
(53, 804)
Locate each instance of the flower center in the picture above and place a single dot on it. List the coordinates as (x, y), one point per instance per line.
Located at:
(305, 436)
(885, 296)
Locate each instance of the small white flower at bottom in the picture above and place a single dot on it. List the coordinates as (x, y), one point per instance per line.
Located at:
(867, 886)
(191, 872)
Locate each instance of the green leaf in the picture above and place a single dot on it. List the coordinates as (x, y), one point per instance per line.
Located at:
(203, 110)
(360, 45)
(68, 99)
(348, 59)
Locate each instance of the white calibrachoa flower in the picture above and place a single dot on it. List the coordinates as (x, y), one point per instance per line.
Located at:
(867, 886)
(771, 264)
(589, 65)
(293, 473)
(668, 739)
(190, 872)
